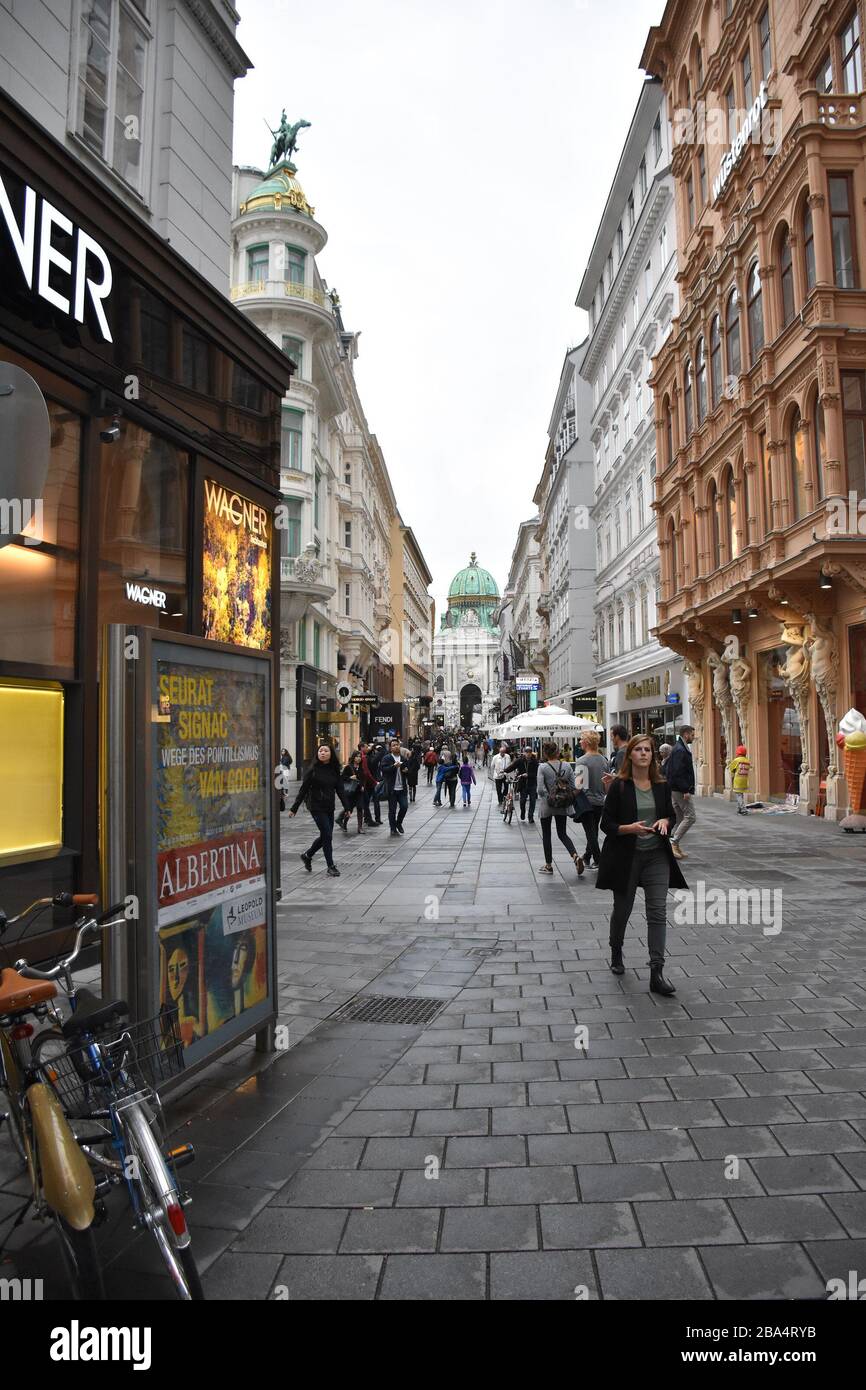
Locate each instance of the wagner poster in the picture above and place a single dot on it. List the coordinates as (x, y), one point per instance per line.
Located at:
(236, 568)
(212, 800)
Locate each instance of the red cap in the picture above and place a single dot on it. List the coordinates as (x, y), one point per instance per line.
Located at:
(741, 751)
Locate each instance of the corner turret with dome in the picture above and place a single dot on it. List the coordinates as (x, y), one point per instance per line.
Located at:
(466, 649)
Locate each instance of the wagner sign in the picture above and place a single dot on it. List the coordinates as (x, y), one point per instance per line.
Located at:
(58, 261)
(744, 135)
(236, 568)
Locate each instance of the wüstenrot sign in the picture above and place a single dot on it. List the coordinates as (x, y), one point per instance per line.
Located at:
(744, 135)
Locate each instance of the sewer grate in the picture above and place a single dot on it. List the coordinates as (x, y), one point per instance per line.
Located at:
(484, 951)
(389, 1008)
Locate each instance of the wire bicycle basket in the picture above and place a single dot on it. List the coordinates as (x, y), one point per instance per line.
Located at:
(139, 1056)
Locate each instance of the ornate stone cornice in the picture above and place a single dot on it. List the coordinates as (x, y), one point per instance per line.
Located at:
(220, 35)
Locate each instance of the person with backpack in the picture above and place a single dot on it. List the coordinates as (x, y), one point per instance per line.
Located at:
(430, 761)
(372, 809)
(556, 794)
(466, 775)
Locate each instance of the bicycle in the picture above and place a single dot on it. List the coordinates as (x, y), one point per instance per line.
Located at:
(97, 1070)
(507, 807)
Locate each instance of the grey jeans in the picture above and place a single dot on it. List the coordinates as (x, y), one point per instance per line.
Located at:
(684, 808)
(650, 871)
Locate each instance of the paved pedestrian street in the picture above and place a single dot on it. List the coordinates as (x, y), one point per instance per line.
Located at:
(708, 1146)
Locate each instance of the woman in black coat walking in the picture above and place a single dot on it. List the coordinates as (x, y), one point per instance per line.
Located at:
(320, 786)
(637, 816)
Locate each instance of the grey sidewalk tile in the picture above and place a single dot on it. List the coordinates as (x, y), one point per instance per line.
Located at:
(450, 1122)
(836, 1258)
(352, 1277)
(851, 1211)
(443, 1278)
(592, 1118)
(530, 1186)
(506, 1093)
(339, 1187)
(583, 1092)
(490, 1228)
(293, 1231)
(682, 1114)
(543, 1275)
(579, 1226)
(756, 1272)
(699, 1221)
(240, 1276)
(713, 1086)
(338, 1152)
(660, 1274)
(669, 1146)
(486, 1151)
(462, 1072)
(639, 1089)
(558, 1149)
(660, 1066)
(708, 1178)
(408, 1097)
(830, 1137)
(622, 1182)
(805, 1173)
(760, 1110)
(376, 1123)
(411, 1230)
(529, 1119)
(840, 1105)
(786, 1218)
(454, 1187)
(402, 1153)
(525, 1071)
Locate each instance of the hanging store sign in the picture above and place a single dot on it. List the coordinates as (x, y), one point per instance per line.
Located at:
(527, 680)
(143, 593)
(731, 159)
(638, 690)
(58, 261)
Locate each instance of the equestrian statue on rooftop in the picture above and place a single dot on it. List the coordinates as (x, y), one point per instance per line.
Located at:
(285, 139)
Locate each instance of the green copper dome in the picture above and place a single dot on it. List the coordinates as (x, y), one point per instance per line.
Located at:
(280, 190)
(473, 583)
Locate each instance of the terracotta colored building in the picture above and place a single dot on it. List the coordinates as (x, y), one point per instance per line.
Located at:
(760, 388)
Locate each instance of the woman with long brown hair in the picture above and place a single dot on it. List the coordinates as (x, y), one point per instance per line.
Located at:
(638, 813)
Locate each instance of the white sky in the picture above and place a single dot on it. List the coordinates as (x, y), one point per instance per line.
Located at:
(459, 158)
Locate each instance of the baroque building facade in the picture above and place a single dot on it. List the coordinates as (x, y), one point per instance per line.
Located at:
(567, 567)
(343, 592)
(522, 628)
(466, 651)
(760, 388)
(629, 291)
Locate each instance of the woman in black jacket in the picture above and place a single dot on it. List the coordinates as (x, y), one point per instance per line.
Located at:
(320, 786)
(637, 816)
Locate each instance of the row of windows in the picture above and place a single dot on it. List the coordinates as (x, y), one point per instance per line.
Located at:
(624, 626)
(619, 343)
(626, 519)
(696, 395)
(290, 260)
(607, 278)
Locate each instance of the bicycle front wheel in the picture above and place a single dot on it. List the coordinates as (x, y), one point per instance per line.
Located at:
(80, 1259)
(160, 1202)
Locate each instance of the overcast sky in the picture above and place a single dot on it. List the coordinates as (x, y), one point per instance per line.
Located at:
(459, 158)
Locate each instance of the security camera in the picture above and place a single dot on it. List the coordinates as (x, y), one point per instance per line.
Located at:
(112, 434)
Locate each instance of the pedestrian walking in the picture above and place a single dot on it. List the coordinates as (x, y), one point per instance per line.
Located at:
(413, 767)
(637, 853)
(318, 790)
(497, 768)
(392, 771)
(372, 809)
(352, 778)
(485, 751)
(430, 761)
(665, 750)
(445, 760)
(740, 768)
(526, 767)
(618, 740)
(680, 773)
(451, 778)
(466, 775)
(281, 776)
(556, 793)
(589, 771)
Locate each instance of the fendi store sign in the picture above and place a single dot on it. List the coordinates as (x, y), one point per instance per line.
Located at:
(639, 690)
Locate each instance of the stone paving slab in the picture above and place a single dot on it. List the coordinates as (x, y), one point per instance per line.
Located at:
(707, 1146)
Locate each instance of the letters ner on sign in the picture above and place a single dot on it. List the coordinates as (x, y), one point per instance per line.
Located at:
(37, 255)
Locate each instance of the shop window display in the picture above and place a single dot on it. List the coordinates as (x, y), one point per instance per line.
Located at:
(784, 742)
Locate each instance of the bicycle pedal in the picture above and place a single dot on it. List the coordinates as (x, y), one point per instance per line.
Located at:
(181, 1155)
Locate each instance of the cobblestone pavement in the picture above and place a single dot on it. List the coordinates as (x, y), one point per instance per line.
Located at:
(708, 1146)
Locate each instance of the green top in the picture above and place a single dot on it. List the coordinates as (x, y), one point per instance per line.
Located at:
(647, 813)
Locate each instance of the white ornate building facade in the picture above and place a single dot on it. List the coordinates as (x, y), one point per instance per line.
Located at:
(629, 291)
(466, 651)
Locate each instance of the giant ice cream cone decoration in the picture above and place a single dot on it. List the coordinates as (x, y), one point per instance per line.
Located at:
(855, 769)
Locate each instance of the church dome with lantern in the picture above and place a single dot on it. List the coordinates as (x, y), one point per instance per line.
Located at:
(473, 597)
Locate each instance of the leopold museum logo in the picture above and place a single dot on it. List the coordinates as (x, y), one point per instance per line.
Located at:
(40, 236)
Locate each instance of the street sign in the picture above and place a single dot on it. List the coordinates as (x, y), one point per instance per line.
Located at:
(673, 698)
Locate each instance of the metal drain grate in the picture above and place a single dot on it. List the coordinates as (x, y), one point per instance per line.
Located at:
(389, 1008)
(484, 951)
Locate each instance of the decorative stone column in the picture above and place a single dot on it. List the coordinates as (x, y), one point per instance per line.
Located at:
(694, 675)
(795, 674)
(740, 680)
(823, 652)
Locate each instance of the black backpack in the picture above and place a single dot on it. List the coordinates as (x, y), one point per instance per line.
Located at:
(562, 794)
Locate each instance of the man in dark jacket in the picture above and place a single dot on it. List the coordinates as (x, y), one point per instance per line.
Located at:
(392, 770)
(526, 767)
(618, 742)
(372, 810)
(680, 772)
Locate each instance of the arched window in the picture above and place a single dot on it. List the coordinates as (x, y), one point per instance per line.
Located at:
(808, 246)
(715, 362)
(786, 277)
(797, 445)
(668, 416)
(713, 509)
(729, 515)
(673, 560)
(755, 313)
(819, 444)
(732, 334)
(690, 421)
(701, 365)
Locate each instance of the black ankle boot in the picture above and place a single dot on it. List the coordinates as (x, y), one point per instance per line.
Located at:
(616, 964)
(658, 983)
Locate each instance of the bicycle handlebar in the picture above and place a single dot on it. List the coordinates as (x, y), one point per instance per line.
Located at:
(63, 899)
(57, 971)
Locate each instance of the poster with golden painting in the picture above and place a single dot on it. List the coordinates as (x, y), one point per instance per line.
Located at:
(236, 569)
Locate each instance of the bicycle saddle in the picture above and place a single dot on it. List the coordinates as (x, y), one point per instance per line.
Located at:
(18, 993)
(92, 1014)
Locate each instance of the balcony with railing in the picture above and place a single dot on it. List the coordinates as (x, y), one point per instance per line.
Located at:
(281, 290)
(839, 110)
(303, 580)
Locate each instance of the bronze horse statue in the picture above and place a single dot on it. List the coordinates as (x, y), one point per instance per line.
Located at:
(285, 139)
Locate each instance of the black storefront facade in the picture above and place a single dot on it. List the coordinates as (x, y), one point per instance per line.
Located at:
(163, 406)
